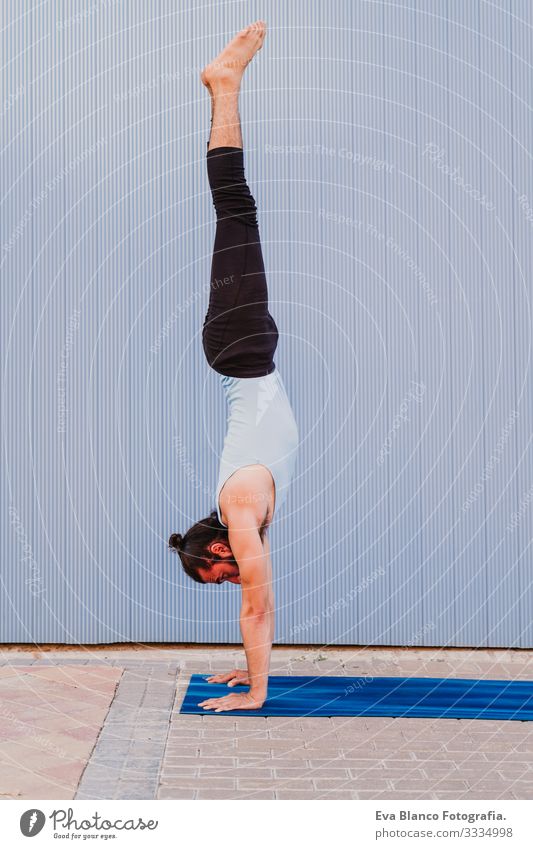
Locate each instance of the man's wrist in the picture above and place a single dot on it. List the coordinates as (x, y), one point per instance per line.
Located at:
(259, 691)
(258, 698)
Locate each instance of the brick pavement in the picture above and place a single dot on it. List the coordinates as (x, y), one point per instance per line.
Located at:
(51, 717)
(146, 749)
(126, 760)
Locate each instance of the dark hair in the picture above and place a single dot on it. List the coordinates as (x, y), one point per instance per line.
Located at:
(193, 547)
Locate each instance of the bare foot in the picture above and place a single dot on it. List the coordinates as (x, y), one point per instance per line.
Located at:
(225, 72)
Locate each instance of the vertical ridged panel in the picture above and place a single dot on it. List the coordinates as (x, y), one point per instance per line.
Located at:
(403, 300)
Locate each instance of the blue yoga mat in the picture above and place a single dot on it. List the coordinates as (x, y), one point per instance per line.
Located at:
(453, 698)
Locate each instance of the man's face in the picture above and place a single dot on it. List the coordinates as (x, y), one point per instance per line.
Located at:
(223, 569)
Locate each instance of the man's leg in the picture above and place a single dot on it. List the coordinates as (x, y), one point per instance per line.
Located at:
(239, 334)
(223, 79)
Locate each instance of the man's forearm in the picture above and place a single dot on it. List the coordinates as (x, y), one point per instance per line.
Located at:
(257, 607)
(257, 632)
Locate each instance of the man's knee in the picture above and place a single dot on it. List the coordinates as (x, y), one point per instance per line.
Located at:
(238, 204)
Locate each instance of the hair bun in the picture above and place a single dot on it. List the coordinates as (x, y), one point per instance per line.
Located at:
(175, 541)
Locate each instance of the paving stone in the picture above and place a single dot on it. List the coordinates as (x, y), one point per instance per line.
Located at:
(237, 772)
(197, 781)
(253, 723)
(490, 785)
(211, 736)
(251, 744)
(182, 750)
(187, 733)
(520, 792)
(422, 784)
(302, 753)
(169, 773)
(134, 790)
(270, 784)
(222, 722)
(381, 772)
(311, 794)
(272, 761)
(243, 795)
(171, 760)
(97, 790)
(167, 792)
(310, 772)
(217, 750)
(511, 772)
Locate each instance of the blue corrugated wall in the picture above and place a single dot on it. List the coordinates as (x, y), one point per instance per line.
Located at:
(388, 145)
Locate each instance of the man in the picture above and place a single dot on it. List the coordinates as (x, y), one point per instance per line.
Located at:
(239, 338)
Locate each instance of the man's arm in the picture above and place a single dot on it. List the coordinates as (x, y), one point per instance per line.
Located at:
(240, 676)
(266, 549)
(257, 610)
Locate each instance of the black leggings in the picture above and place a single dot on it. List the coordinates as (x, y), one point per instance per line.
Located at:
(239, 335)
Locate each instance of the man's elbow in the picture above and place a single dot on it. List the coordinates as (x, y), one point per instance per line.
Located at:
(256, 613)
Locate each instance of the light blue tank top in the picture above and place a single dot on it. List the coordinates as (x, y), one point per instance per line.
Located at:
(260, 429)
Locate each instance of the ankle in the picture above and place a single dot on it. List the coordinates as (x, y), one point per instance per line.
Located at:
(226, 88)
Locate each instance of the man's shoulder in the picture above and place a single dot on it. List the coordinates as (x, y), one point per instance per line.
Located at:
(250, 488)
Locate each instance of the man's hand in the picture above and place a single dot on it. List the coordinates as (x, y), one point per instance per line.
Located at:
(236, 701)
(236, 676)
